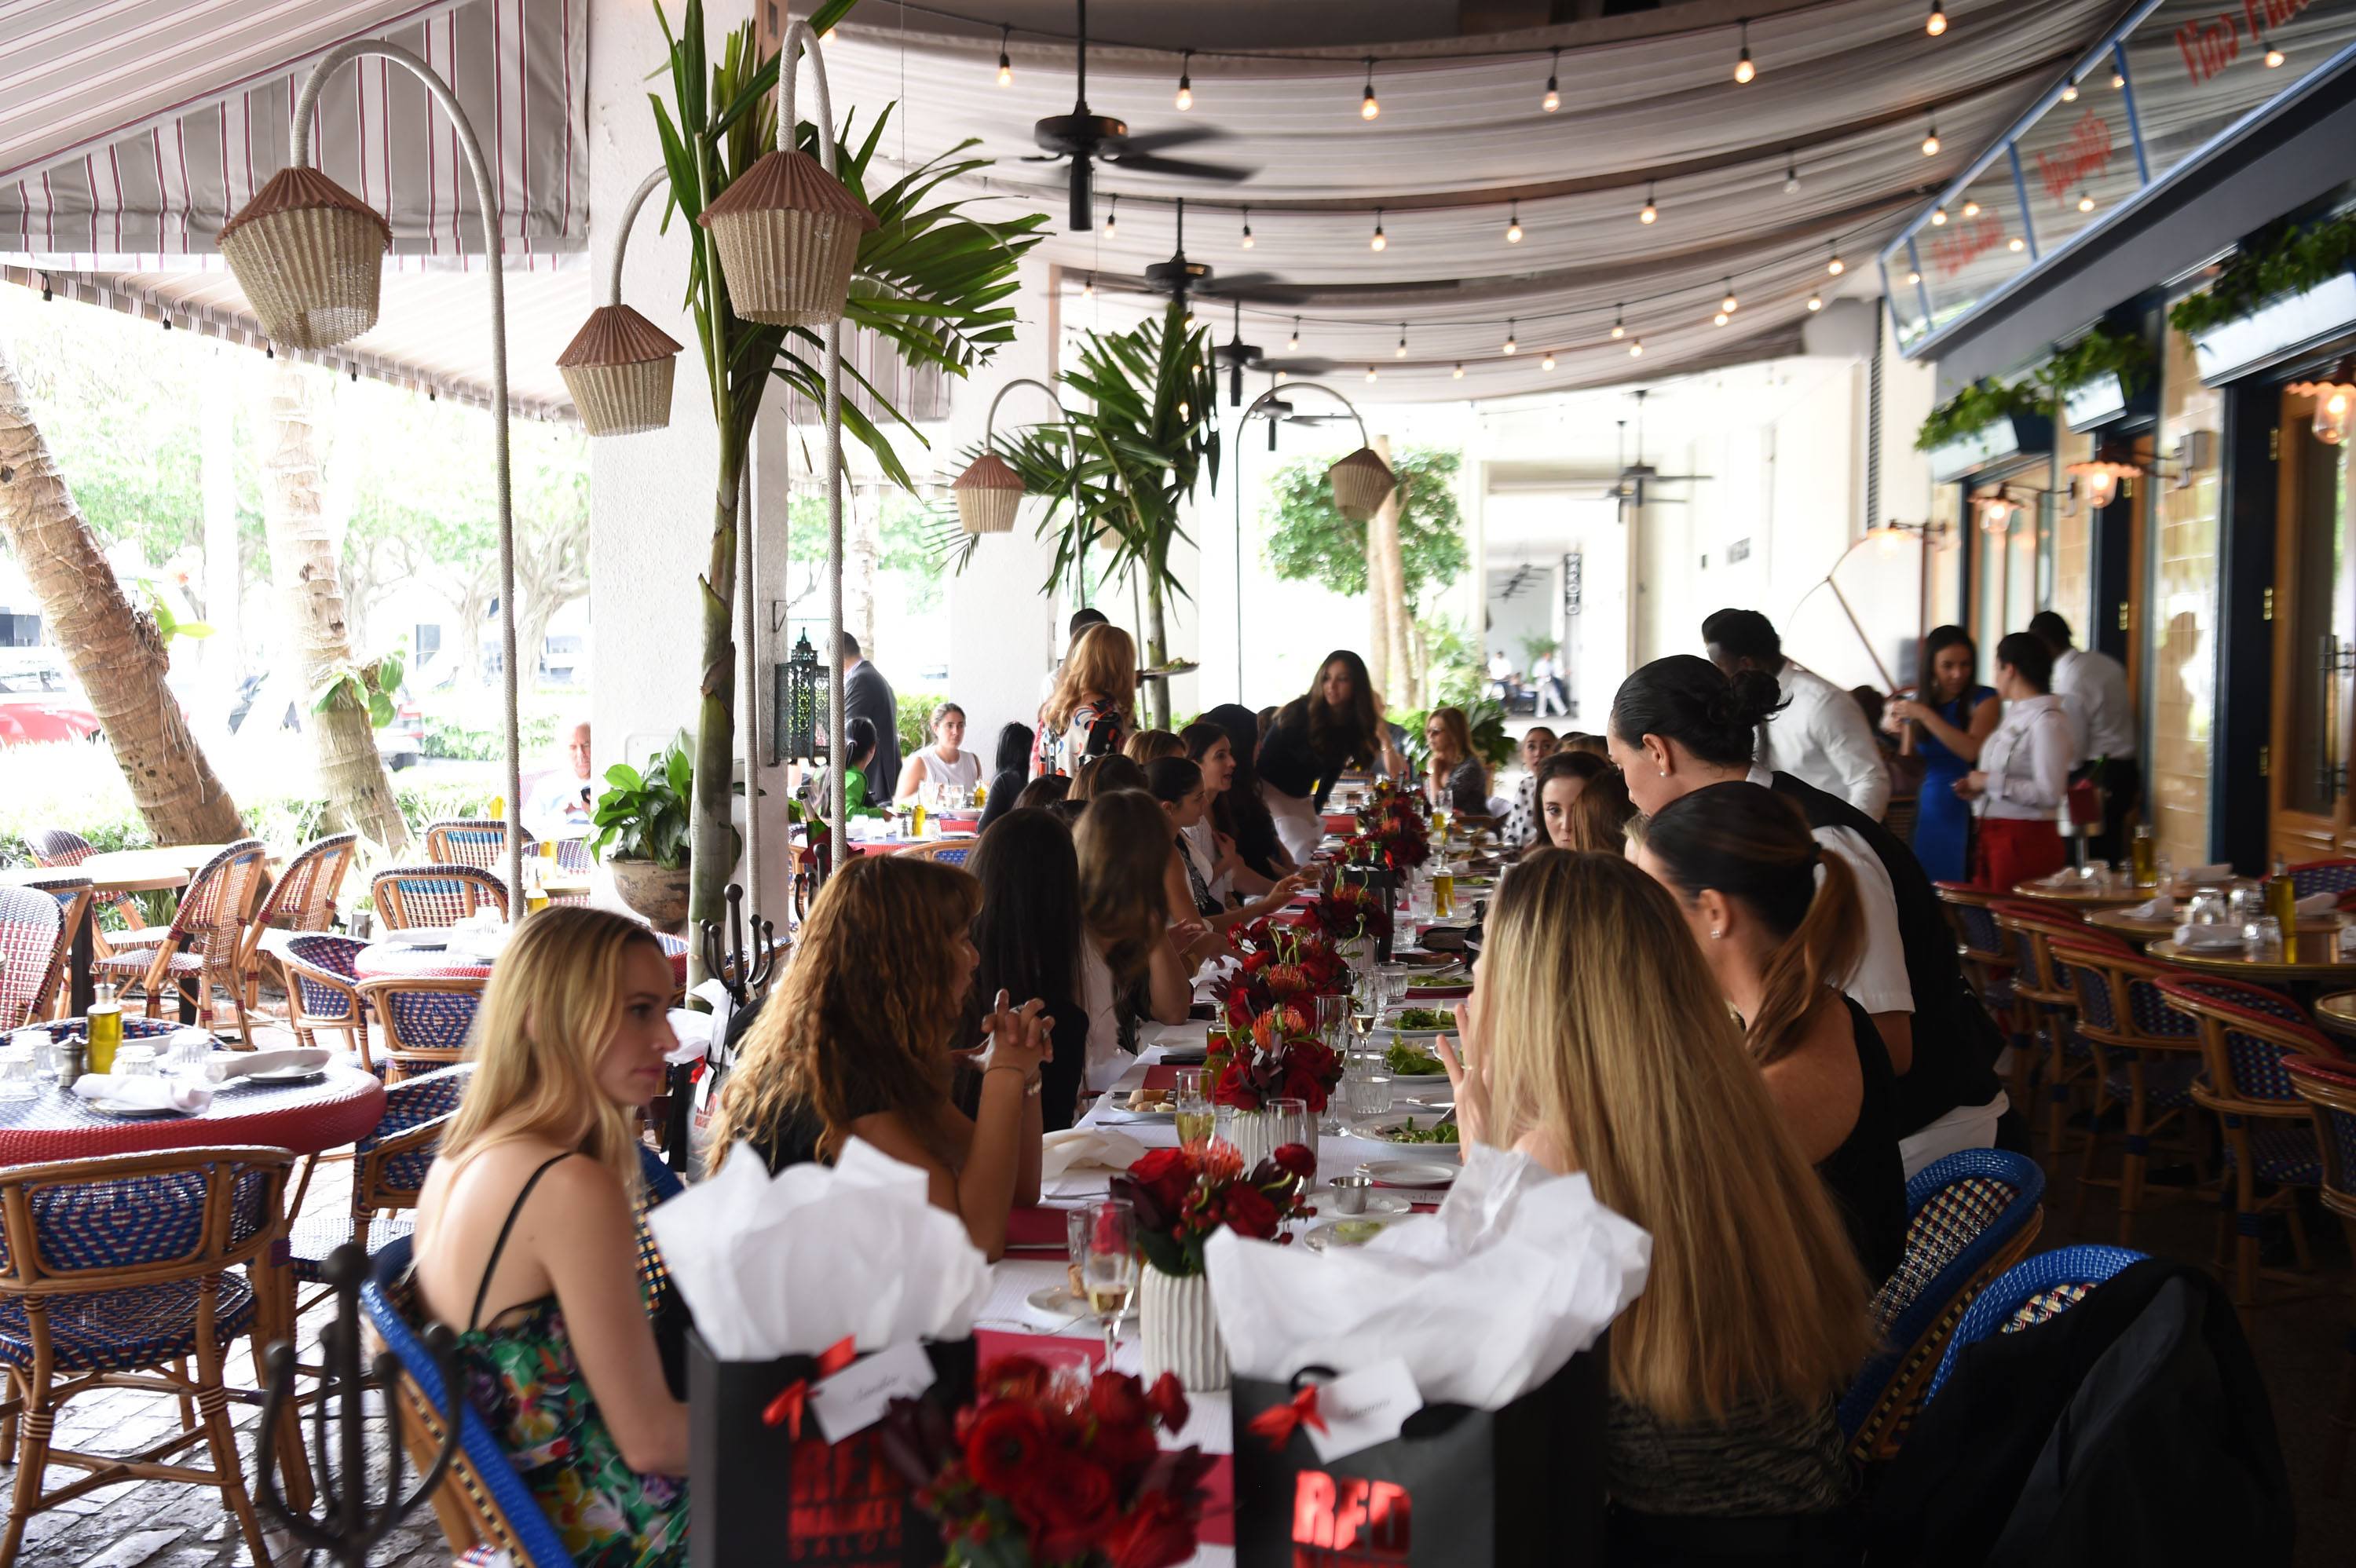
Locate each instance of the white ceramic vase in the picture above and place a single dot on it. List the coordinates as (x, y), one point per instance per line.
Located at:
(1254, 1136)
(1180, 1331)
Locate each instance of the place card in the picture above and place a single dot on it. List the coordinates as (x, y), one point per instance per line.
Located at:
(855, 1398)
(1363, 1408)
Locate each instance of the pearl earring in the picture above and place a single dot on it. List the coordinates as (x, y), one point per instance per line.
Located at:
(1663, 772)
(1716, 933)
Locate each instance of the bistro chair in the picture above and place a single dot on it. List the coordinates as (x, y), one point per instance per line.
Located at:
(1970, 1217)
(199, 954)
(2323, 877)
(302, 899)
(33, 937)
(63, 847)
(573, 855)
(1987, 957)
(71, 890)
(2329, 1089)
(426, 1019)
(2246, 1034)
(389, 1169)
(120, 1272)
(948, 851)
(2147, 1057)
(477, 842)
(2050, 1000)
(2028, 1294)
(409, 898)
(323, 988)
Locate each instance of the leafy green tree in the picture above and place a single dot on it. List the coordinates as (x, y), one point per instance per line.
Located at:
(1309, 539)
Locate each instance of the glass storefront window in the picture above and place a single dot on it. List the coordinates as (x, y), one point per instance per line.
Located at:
(2198, 66)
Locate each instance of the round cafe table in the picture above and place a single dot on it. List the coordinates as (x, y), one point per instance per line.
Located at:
(2325, 958)
(2143, 929)
(330, 1111)
(2075, 893)
(2337, 1012)
(116, 871)
(381, 960)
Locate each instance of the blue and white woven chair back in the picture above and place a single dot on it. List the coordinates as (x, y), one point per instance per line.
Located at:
(477, 842)
(32, 936)
(572, 854)
(2323, 877)
(482, 1469)
(436, 895)
(2030, 1292)
(100, 1224)
(322, 957)
(428, 1020)
(407, 1103)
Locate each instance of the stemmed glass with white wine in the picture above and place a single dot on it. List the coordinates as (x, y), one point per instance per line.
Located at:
(1109, 1272)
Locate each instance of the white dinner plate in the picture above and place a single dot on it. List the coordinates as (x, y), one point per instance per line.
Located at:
(131, 1113)
(1416, 1034)
(1418, 1173)
(1057, 1304)
(287, 1075)
(416, 936)
(1329, 1233)
(1378, 1204)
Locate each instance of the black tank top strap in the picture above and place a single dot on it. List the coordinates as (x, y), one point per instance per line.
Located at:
(514, 1210)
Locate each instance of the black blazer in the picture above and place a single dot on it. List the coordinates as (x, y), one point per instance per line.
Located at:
(867, 695)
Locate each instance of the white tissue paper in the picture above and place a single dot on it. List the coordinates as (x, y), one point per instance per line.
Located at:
(697, 1032)
(791, 1265)
(481, 935)
(2208, 936)
(1059, 1152)
(2160, 908)
(2319, 903)
(1520, 1271)
(2222, 872)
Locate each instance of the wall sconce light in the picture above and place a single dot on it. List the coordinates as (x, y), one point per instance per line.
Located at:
(2097, 484)
(1995, 511)
(2334, 403)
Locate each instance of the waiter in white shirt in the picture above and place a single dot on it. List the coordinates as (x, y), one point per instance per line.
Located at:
(2093, 687)
(1820, 736)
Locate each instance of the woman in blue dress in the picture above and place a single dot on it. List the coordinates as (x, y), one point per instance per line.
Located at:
(1945, 724)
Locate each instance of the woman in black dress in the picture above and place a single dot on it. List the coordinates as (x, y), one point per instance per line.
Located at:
(1315, 739)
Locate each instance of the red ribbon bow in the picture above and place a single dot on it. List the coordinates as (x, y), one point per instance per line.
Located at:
(786, 1410)
(1280, 1421)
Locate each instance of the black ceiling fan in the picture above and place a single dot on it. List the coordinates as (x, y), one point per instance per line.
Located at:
(1282, 412)
(1633, 476)
(1087, 139)
(1238, 356)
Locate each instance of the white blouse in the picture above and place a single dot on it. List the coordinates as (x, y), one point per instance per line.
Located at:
(2027, 758)
(963, 773)
(1107, 1061)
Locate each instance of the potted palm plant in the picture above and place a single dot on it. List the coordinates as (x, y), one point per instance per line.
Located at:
(642, 832)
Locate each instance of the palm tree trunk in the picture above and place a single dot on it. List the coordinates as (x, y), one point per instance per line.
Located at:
(115, 651)
(711, 839)
(1157, 642)
(303, 562)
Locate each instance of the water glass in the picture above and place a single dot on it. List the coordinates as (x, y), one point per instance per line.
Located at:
(185, 1053)
(2207, 908)
(2261, 937)
(1332, 1022)
(1109, 1268)
(1367, 1081)
(2246, 903)
(1289, 1123)
(1392, 978)
(134, 1060)
(36, 1042)
(19, 1078)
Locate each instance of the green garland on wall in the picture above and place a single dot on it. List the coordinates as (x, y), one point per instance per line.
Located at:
(2105, 351)
(2290, 261)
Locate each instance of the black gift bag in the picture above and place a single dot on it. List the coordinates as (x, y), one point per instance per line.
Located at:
(1384, 885)
(756, 1494)
(1458, 1487)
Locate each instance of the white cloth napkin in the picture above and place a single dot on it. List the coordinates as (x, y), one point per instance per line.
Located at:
(1059, 1152)
(1522, 1270)
(2208, 936)
(2160, 908)
(482, 935)
(221, 1066)
(2222, 872)
(143, 1093)
(2319, 903)
(777, 1266)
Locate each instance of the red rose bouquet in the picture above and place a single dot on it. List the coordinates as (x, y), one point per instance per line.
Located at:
(1348, 910)
(1183, 1196)
(1280, 1056)
(1047, 1469)
(1279, 964)
(1392, 834)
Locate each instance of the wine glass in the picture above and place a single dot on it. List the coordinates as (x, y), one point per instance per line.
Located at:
(1192, 1100)
(1109, 1272)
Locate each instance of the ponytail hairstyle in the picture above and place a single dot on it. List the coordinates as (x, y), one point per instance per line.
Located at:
(1752, 845)
(1600, 816)
(1685, 699)
(2031, 659)
(1102, 776)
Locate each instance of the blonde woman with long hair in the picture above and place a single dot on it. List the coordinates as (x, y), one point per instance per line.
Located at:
(1599, 1042)
(526, 1233)
(1097, 685)
(861, 1039)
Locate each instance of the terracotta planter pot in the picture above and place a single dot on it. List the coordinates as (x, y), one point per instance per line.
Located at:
(655, 892)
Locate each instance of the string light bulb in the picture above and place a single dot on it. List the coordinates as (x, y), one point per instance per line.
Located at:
(1402, 343)
(1368, 107)
(1282, 374)
(1457, 374)
(1378, 242)
(2274, 56)
(1636, 349)
(1971, 209)
(1005, 66)
(1720, 319)
(1835, 267)
(1815, 301)
(1547, 363)
(1087, 285)
(2069, 93)
(2086, 202)
(1186, 99)
(1112, 216)
(1514, 224)
(1938, 22)
(1553, 99)
(1791, 173)
(1512, 344)
(2015, 243)
(2118, 80)
(1618, 322)
(1729, 302)
(1938, 218)
(1931, 141)
(1247, 233)
(1912, 278)
(1370, 373)
(1649, 213)
(1294, 342)
(1744, 71)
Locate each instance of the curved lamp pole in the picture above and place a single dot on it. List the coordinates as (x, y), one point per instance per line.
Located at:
(314, 288)
(1354, 478)
(1887, 536)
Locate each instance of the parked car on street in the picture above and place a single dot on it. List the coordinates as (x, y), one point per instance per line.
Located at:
(39, 699)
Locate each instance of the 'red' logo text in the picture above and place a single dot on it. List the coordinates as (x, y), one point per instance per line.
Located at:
(1347, 1519)
(847, 1503)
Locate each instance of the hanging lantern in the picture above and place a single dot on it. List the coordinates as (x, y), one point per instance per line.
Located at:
(801, 699)
(2098, 482)
(987, 494)
(2334, 402)
(788, 233)
(618, 368)
(1995, 511)
(1362, 482)
(309, 255)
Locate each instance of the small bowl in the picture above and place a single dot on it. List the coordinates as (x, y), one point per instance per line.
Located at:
(1350, 1193)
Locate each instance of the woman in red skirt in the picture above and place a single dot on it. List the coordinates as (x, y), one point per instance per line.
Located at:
(2024, 771)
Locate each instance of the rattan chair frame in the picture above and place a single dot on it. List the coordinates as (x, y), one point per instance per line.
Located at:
(2120, 969)
(73, 892)
(39, 982)
(36, 1397)
(441, 852)
(47, 852)
(483, 889)
(302, 899)
(2324, 1094)
(405, 1060)
(2052, 1008)
(212, 918)
(1985, 968)
(307, 1029)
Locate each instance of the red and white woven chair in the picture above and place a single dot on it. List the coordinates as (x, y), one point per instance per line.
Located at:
(32, 944)
(302, 899)
(200, 955)
(71, 889)
(63, 847)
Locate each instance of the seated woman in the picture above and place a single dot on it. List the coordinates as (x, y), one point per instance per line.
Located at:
(941, 763)
(1215, 840)
(1456, 781)
(525, 1234)
(1010, 771)
(1561, 780)
(1523, 828)
(1029, 934)
(859, 751)
(1241, 812)
(1776, 919)
(1135, 965)
(1149, 746)
(1102, 776)
(1598, 1042)
(858, 1042)
(1178, 785)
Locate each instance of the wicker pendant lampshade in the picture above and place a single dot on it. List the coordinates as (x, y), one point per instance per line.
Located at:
(788, 232)
(987, 494)
(618, 368)
(1362, 482)
(309, 254)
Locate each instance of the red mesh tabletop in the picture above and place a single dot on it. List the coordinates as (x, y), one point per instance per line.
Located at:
(327, 1112)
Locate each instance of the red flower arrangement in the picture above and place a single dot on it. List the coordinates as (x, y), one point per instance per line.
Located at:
(1279, 964)
(1392, 834)
(1349, 910)
(1183, 1196)
(1044, 1469)
(1279, 1057)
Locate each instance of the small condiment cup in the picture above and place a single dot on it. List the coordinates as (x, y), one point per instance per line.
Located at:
(1350, 1193)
